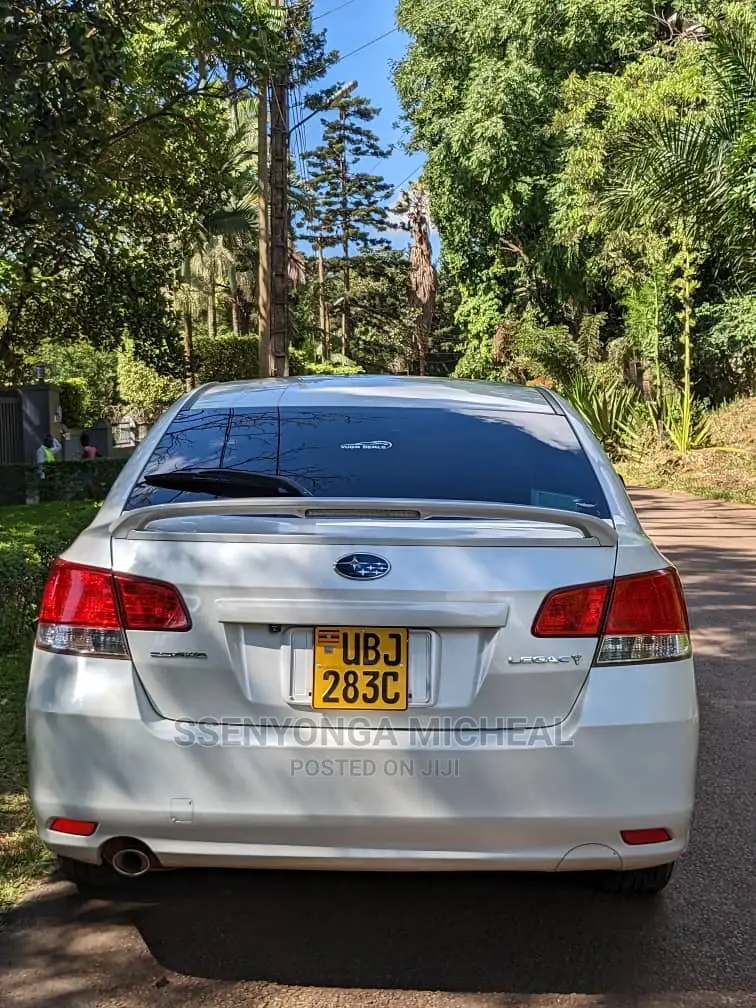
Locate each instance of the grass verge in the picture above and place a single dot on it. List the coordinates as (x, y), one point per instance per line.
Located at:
(30, 538)
(24, 861)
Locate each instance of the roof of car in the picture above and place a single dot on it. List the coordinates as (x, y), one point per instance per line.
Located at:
(370, 390)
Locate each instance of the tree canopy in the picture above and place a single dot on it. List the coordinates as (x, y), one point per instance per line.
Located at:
(567, 146)
(115, 147)
(590, 173)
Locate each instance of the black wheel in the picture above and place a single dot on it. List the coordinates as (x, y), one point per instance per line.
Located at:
(638, 881)
(88, 876)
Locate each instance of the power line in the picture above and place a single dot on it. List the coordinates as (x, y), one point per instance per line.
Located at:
(360, 48)
(398, 187)
(333, 10)
(300, 139)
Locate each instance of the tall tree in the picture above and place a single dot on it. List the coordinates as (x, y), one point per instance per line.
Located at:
(414, 209)
(384, 325)
(349, 205)
(481, 84)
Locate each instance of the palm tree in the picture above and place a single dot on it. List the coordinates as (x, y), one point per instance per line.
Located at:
(207, 265)
(213, 263)
(692, 177)
(229, 234)
(186, 303)
(695, 167)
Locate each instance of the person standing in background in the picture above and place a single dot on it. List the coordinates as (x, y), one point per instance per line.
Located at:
(48, 453)
(88, 454)
(88, 450)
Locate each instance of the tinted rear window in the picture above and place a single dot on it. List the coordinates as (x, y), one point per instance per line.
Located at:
(439, 454)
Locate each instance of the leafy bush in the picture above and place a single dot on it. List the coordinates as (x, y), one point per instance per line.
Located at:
(75, 403)
(30, 539)
(22, 577)
(724, 351)
(216, 359)
(225, 358)
(65, 481)
(613, 411)
(300, 365)
(478, 362)
(552, 351)
(81, 362)
(684, 433)
(310, 368)
(141, 387)
(526, 348)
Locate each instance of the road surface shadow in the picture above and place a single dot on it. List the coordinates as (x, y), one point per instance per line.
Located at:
(457, 932)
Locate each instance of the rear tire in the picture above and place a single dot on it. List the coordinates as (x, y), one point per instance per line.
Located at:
(638, 881)
(89, 876)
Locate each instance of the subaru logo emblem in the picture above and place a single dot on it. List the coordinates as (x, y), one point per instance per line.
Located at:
(362, 567)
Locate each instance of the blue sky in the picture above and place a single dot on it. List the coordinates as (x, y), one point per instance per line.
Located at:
(358, 22)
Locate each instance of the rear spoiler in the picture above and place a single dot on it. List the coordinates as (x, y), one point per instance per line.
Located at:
(595, 531)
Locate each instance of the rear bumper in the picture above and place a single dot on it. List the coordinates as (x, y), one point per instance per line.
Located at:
(624, 759)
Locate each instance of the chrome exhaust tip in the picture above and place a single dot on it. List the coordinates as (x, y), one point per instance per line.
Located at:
(131, 862)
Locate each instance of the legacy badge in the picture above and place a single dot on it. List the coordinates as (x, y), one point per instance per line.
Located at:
(546, 660)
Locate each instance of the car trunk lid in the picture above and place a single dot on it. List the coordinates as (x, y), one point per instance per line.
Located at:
(464, 582)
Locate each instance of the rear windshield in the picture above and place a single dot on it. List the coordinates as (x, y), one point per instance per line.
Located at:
(463, 453)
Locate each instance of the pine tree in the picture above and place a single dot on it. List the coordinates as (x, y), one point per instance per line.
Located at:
(349, 211)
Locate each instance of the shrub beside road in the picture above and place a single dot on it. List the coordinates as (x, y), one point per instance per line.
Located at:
(726, 470)
(30, 539)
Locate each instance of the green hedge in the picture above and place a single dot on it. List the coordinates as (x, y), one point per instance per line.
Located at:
(300, 364)
(75, 403)
(30, 539)
(219, 359)
(225, 358)
(64, 481)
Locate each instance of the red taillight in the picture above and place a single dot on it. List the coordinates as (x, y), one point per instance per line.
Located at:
(74, 827)
(647, 604)
(150, 605)
(79, 596)
(639, 618)
(85, 610)
(647, 620)
(572, 612)
(646, 836)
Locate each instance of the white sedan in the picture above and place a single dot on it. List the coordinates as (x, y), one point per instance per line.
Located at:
(365, 623)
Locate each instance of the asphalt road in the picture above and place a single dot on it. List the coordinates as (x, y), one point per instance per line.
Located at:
(243, 939)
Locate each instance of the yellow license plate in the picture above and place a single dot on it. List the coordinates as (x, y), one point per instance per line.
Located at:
(360, 668)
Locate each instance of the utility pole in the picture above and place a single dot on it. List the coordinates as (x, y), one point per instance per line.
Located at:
(263, 225)
(279, 219)
(273, 217)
